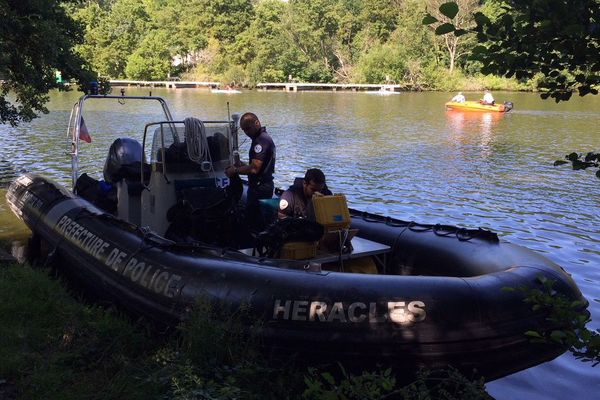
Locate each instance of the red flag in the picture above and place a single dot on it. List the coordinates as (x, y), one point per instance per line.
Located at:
(83, 132)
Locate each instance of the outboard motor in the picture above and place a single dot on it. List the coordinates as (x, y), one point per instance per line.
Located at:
(508, 105)
(123, 161)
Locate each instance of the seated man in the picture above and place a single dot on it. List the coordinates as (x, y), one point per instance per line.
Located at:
(488, 99)
(296, 201)
(459, 98)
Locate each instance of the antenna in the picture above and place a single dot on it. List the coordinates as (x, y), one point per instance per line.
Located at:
(233, 123)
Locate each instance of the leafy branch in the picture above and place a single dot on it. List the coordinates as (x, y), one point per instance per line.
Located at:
(556, 41)
(578, 161)
(570, 317)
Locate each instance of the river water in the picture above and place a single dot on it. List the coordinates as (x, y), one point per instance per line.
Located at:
(400, 155)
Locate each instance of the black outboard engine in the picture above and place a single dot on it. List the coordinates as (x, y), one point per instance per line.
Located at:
(124, 160)
(508, 105)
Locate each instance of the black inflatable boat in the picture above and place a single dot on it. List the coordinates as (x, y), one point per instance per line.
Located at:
(435, 296)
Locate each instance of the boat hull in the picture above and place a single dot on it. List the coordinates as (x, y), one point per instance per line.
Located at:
(455, 314)
(476, 106)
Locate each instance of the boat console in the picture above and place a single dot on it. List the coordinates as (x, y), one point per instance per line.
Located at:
(173, 184)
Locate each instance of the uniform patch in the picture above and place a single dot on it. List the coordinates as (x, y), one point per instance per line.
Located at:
(257, 148)
(283, 204)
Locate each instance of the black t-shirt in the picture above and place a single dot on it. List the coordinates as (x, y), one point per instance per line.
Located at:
(294, 204)
(263, 149)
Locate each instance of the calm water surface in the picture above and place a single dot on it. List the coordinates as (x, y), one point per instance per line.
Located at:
(399, 155)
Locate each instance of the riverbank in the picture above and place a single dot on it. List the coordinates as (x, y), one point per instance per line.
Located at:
(452, 82)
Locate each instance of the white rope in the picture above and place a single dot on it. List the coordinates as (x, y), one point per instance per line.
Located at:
(195, 138)
(197, 143)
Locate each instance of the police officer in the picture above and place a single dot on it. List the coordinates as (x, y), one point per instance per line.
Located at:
(260, 168)
(296, 201)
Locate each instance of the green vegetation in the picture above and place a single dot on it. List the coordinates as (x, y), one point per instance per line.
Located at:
(579, 161)
(366, 41)
(544, 45)
(569, 316)
(553, 42)
(55, 347)
(36, 41)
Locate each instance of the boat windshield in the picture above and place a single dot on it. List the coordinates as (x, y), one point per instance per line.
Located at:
(192, 144)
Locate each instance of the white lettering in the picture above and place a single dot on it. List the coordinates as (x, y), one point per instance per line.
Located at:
(137, 271)
(299, 310)
(161, 282)
(373, 317)
(396, 312)
(352, 312)
(285, 309)
(172, 288)
(337, 313)
(317, 309)
(416, 310)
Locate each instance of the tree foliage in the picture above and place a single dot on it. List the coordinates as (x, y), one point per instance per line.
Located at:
(460, 14)
(557, 40)
(269, 40)
(36, 40)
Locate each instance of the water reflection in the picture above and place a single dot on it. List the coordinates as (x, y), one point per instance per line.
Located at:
(403, 156)
(473, 127)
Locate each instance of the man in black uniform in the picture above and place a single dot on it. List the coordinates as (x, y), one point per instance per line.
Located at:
(296, 201)
(260, 168)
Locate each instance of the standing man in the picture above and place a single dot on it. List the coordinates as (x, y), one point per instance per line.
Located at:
(259, 169)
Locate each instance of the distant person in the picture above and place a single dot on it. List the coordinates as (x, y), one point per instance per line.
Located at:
(459, 98)
(296, 200)
(259, 169)
(488, 99)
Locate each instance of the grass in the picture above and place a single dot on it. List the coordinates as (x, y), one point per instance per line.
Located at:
(55, 347)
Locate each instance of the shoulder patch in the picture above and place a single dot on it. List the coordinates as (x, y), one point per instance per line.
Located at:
(283, 204)
(258, 148)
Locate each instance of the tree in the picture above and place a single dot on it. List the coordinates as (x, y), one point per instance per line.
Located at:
(151, 60)
(259, 48)
(558, 40)
(114, 37)
(455, 45)
(36, 40)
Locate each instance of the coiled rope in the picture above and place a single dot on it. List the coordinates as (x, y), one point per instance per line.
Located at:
(197, 143)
